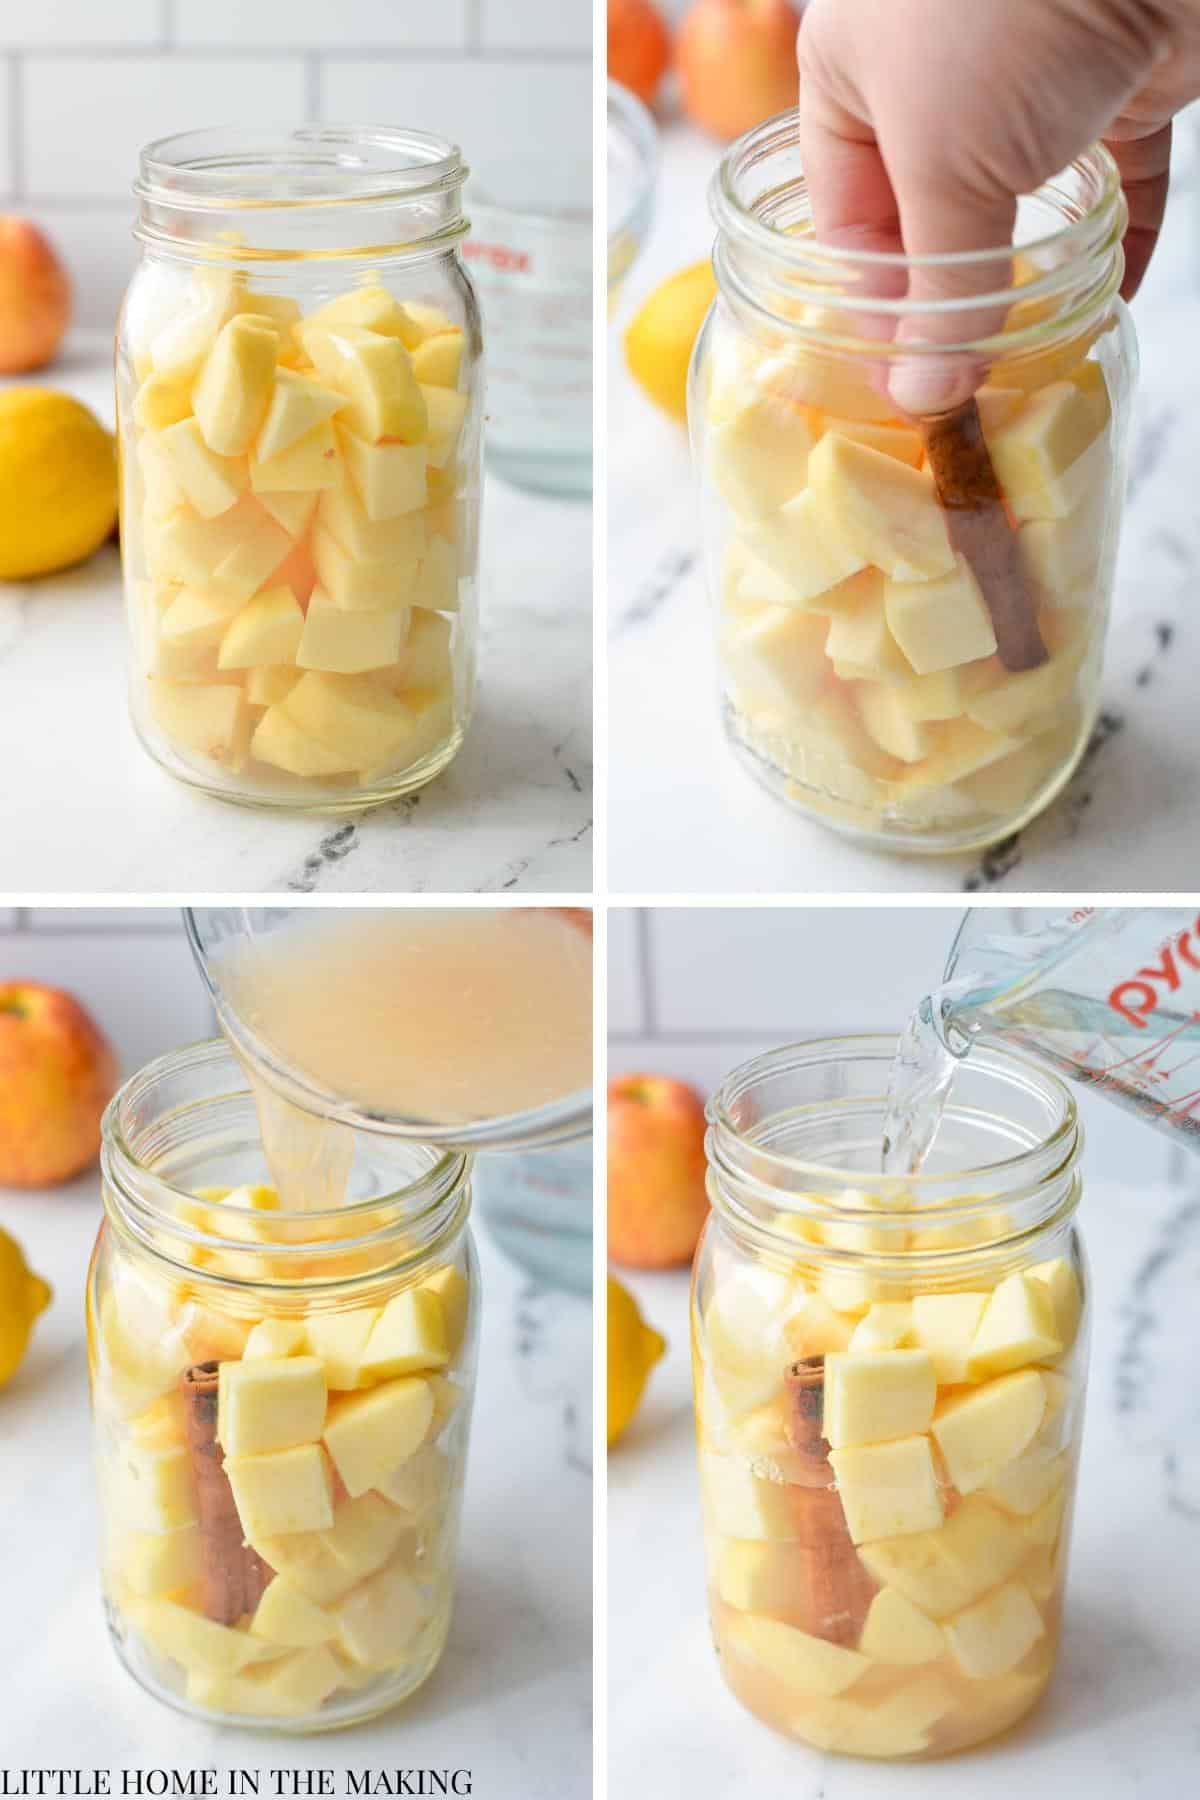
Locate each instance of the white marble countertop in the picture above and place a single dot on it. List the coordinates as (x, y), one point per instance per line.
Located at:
(685, 818)
(1120, 1719)
(511, 1698)
(84, 810)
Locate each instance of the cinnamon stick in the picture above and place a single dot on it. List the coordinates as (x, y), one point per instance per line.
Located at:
(838, 1588)
(234, 1575)
(981, 531)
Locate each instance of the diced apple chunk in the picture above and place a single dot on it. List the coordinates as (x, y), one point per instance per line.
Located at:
(425, 658)
(297, 407)
(450, 1285)
(1058, 1277)
(436, 588)
(267, 630)
(213, 720)
(293, 511)
(1012, 702)
(366, 1533)
(945, 1325)
(351, 714)
(258, 547)
(371, 308)
(190, 629)
(282, 1491)
(774, 657)
(401, 538)
(380, 1618)
(870, 1396)
(349, 643)
(1027, 1484)
(437, 360)
(156, 1487)
(758, 456)
(1038, 454)
(979, 1433)
(895, 1631)
(886, 512)
(159, 1562)
(992, 1636)
(794, 1658)
(941, 622)
(445, 410)
(231, 397)
(276, 1337)
(285, 1615)
(885, 715)
(1017, 1327)
(801, 546)
(278, 740)
(944, 1570)
(899, 441)
(307, 466)
(408, 1337)
(391, 479)
(887, 1490)
(859, 636)
(271, 1403)
(196, 1642)
(161, 401)
(739, 1504)
(339, 1339)
(210, 483)
(887, 1325)
(362, 586)
(368, 1434)
(375, 374)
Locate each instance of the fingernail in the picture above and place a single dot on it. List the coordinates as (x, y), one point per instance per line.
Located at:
(923, 386)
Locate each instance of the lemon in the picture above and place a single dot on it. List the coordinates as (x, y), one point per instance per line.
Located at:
(23, 1295)
(633, 1350)
(658, 343)
(58, 482)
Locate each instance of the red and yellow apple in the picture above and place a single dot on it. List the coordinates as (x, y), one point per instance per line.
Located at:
(639, 46)
(35, 297)
(737, 63)
(57, 1074)
(657, 1202)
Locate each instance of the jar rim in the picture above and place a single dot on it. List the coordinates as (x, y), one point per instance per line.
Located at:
(1060, 1144)
(634, 123)
(422, 1212)
(376, 165)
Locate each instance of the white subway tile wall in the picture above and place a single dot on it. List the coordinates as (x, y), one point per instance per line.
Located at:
(84, 85)
(130, 967)
(693, 992)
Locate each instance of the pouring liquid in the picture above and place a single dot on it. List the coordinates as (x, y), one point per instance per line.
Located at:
(447, 1016)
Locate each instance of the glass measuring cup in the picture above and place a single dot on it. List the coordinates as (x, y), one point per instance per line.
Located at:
(1109, 996)
(632, 167)
(530, 256)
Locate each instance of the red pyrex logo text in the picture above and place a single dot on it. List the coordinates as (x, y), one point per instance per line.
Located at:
(1138, 997)
(498, 256)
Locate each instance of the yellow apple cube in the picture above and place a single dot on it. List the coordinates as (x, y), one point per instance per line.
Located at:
(270, 1404)
(420, 1484)
(367, 1533)
(874, 1395)
(886, 512)
(945, 1325)
(339, 1339)
(196, 1642)
(422, 321)
(275, 1338)
(758, 456)
(802, 546)
(164, 495)
(371, 308)
(1014, 702)
(161, 401)
(887, 1325)
(1059, 1279)
(297, 406)
(1063, 555)
(178, 350)
(794, 1658)
(255, 553)
(362, 586)
(896, 1727)
(215, 721)
(158, 1562)
(899, 441)
(775, 658)
(1044, 1524)
(819, 378)
(425, 661)
(929, 699)
(285, 1615)
(375, 374)
(378, 1621)
(233, 392)
(885, 715)
(1039, 453)
(963, 749)
(190, 632)
(294, 1687)
(859, 636)
(267, 630)
(282, 1491)
(450, 1285)
(446, 410)
(307, 466)
(979, 1433)
(337, 642)
(436, 588)
(745, 1333)
(368, 1434)
(267, 687)
(992, 1636)
(437, 361)
(1017, 1327)
(738, 1504)
(940, 622)
(409, 1336)
(1027, 1484)
(279, 741)
(390, 479)
(305, 1561)
(944, 1570)
(401, 538)
(897, 1632)
(293, 511)
(887, 1489)
(211, 483)
(351, 714)
(280, 309)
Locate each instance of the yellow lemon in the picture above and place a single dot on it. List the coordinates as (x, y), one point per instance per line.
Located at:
(633, 1350)
(58, 482)
(23, 1295)
(658, 343)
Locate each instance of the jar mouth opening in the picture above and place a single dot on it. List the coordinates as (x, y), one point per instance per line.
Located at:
(288, 167)
(417, 1210)
(1055, 1145)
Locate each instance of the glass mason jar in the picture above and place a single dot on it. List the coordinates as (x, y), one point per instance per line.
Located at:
(281, 1404)
(912, 472)
(299, 400)
(889, 1385)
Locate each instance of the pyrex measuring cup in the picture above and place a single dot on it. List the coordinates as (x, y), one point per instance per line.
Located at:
(530, 257)
(1110, 996)
(217, 934)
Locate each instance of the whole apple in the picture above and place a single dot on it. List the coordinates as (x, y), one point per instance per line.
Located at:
(737, 63)
(57, 1074)
(35, 297)
(657, 1202)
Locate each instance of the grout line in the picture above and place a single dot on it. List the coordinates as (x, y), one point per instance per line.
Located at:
(16, 147)
(395, 53)
(312, 86)
(94, 927)
(645, 977)
(750, 1034)
(85, 202)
